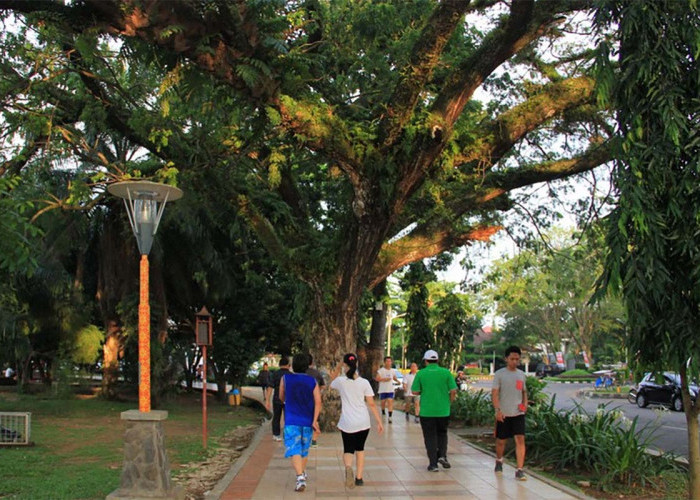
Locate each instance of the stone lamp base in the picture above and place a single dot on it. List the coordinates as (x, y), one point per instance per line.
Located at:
(146, 472)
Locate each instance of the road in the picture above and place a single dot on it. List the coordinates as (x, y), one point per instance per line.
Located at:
(671, 429)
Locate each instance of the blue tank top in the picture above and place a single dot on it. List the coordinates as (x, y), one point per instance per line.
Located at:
(299, 399)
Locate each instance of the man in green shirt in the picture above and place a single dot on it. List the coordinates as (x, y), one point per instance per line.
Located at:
(437, 389)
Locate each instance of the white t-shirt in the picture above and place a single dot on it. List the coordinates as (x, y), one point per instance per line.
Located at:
(407, 382)
(386, 386)
(354, 415)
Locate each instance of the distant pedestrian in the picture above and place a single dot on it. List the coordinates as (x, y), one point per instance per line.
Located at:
(313, 371)
(509, 397)
(356, 397)
(386, 376)
(437, 389)
(410, 399)
(277, 405)
(264, 379)
(302, 405)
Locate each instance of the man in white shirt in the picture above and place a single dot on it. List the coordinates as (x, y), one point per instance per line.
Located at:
(408, 396)
(386, 376)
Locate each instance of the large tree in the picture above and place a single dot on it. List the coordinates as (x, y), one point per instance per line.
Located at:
(342, 123)
(654, 237)
(545, 293)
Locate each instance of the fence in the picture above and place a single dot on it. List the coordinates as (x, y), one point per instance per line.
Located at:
(15, 428)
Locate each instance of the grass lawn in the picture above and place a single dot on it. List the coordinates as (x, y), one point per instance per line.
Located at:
(78, 442)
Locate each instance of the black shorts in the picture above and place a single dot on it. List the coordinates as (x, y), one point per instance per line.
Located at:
(511, 426)
(354, 441)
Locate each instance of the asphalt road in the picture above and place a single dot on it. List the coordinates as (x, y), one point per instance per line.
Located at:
(668, 428)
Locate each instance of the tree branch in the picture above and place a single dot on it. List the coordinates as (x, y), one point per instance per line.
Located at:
(419, 245)
(426, 55)
(501, 134)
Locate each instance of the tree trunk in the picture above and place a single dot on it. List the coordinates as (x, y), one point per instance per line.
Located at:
(691, 417)
(374, 353)
(110, 361)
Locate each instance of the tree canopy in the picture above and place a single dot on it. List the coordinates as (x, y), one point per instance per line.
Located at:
(346, 134)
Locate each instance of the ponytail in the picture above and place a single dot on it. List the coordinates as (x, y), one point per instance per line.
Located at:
(350, 360)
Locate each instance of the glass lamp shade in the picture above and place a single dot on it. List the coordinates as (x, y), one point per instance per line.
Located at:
(145, 202)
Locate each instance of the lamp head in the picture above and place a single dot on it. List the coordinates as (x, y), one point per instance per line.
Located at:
(145, 202)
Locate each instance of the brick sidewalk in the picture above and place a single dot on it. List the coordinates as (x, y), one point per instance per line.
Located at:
(395, 467)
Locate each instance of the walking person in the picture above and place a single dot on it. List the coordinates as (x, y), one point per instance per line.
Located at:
(264, 379)
(386, 376)
(356, 398)
(302, 404)
(313, 371)
(437, 389)
(509, 397)
(410, 399)
(277, 404)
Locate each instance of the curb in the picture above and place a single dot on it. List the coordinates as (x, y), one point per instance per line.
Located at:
(551, 482)
(223, 483)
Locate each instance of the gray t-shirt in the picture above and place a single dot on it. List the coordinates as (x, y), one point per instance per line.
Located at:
(510, 385)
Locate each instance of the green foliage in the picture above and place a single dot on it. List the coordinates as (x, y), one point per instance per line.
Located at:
(604, 443)
(545, 295)
(535, 390)
(473, 408)
(653, 255)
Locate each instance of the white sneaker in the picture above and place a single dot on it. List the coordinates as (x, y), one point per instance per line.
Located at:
(301, 484)
(276, 438)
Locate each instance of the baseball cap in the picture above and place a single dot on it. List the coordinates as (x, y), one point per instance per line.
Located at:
(430, 355)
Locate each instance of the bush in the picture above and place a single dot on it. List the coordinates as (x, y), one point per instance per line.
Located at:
(535, 390)
(473, 371)
(473, 408)
(575, 373)
(604, 443)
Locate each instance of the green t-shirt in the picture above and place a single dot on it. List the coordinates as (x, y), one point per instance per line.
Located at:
(434, 383)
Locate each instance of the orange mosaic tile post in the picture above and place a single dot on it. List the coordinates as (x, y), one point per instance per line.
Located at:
(144, 340)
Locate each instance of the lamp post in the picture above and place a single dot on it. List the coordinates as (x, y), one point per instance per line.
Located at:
(204, 336)
(145, 202)
(146, 471)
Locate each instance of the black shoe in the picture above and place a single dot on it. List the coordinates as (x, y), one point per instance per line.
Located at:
(359, 482)
(443, 461)
(407, 417)
(499, 467)
(433, 468)
(520, 475)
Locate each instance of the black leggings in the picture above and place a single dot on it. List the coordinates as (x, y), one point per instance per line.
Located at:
(354, 441)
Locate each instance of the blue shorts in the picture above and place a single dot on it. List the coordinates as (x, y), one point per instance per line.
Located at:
(386, 395)
(297, 440)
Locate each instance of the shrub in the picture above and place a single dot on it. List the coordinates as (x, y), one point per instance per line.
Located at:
(604, 443)
(575, 373)
(473, 408)
(535, 390)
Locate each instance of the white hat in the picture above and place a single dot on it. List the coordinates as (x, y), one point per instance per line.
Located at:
(430, 355)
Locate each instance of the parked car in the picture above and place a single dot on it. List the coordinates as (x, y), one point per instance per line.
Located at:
(661, 389)
(551, 370)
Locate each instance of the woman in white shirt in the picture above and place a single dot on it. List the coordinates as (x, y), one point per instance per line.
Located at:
(356, 397)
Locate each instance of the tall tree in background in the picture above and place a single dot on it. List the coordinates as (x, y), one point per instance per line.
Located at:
(415, 283)
(546, 294)
(654, 239)
(343, 124)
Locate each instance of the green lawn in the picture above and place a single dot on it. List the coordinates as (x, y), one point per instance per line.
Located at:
(78, 443)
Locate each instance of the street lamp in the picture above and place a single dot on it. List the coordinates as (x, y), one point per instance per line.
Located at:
(146, 471)
(204, 336)
(145, 202)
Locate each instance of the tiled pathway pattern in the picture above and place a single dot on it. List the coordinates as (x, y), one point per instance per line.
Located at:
(395, 468)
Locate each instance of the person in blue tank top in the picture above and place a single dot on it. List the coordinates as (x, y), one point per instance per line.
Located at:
(302, 404)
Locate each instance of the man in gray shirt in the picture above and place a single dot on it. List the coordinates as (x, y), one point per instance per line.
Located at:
(509, 397)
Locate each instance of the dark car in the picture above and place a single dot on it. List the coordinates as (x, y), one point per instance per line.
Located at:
(661, 389)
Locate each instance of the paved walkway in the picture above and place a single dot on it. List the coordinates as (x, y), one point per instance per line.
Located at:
(395, 467)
